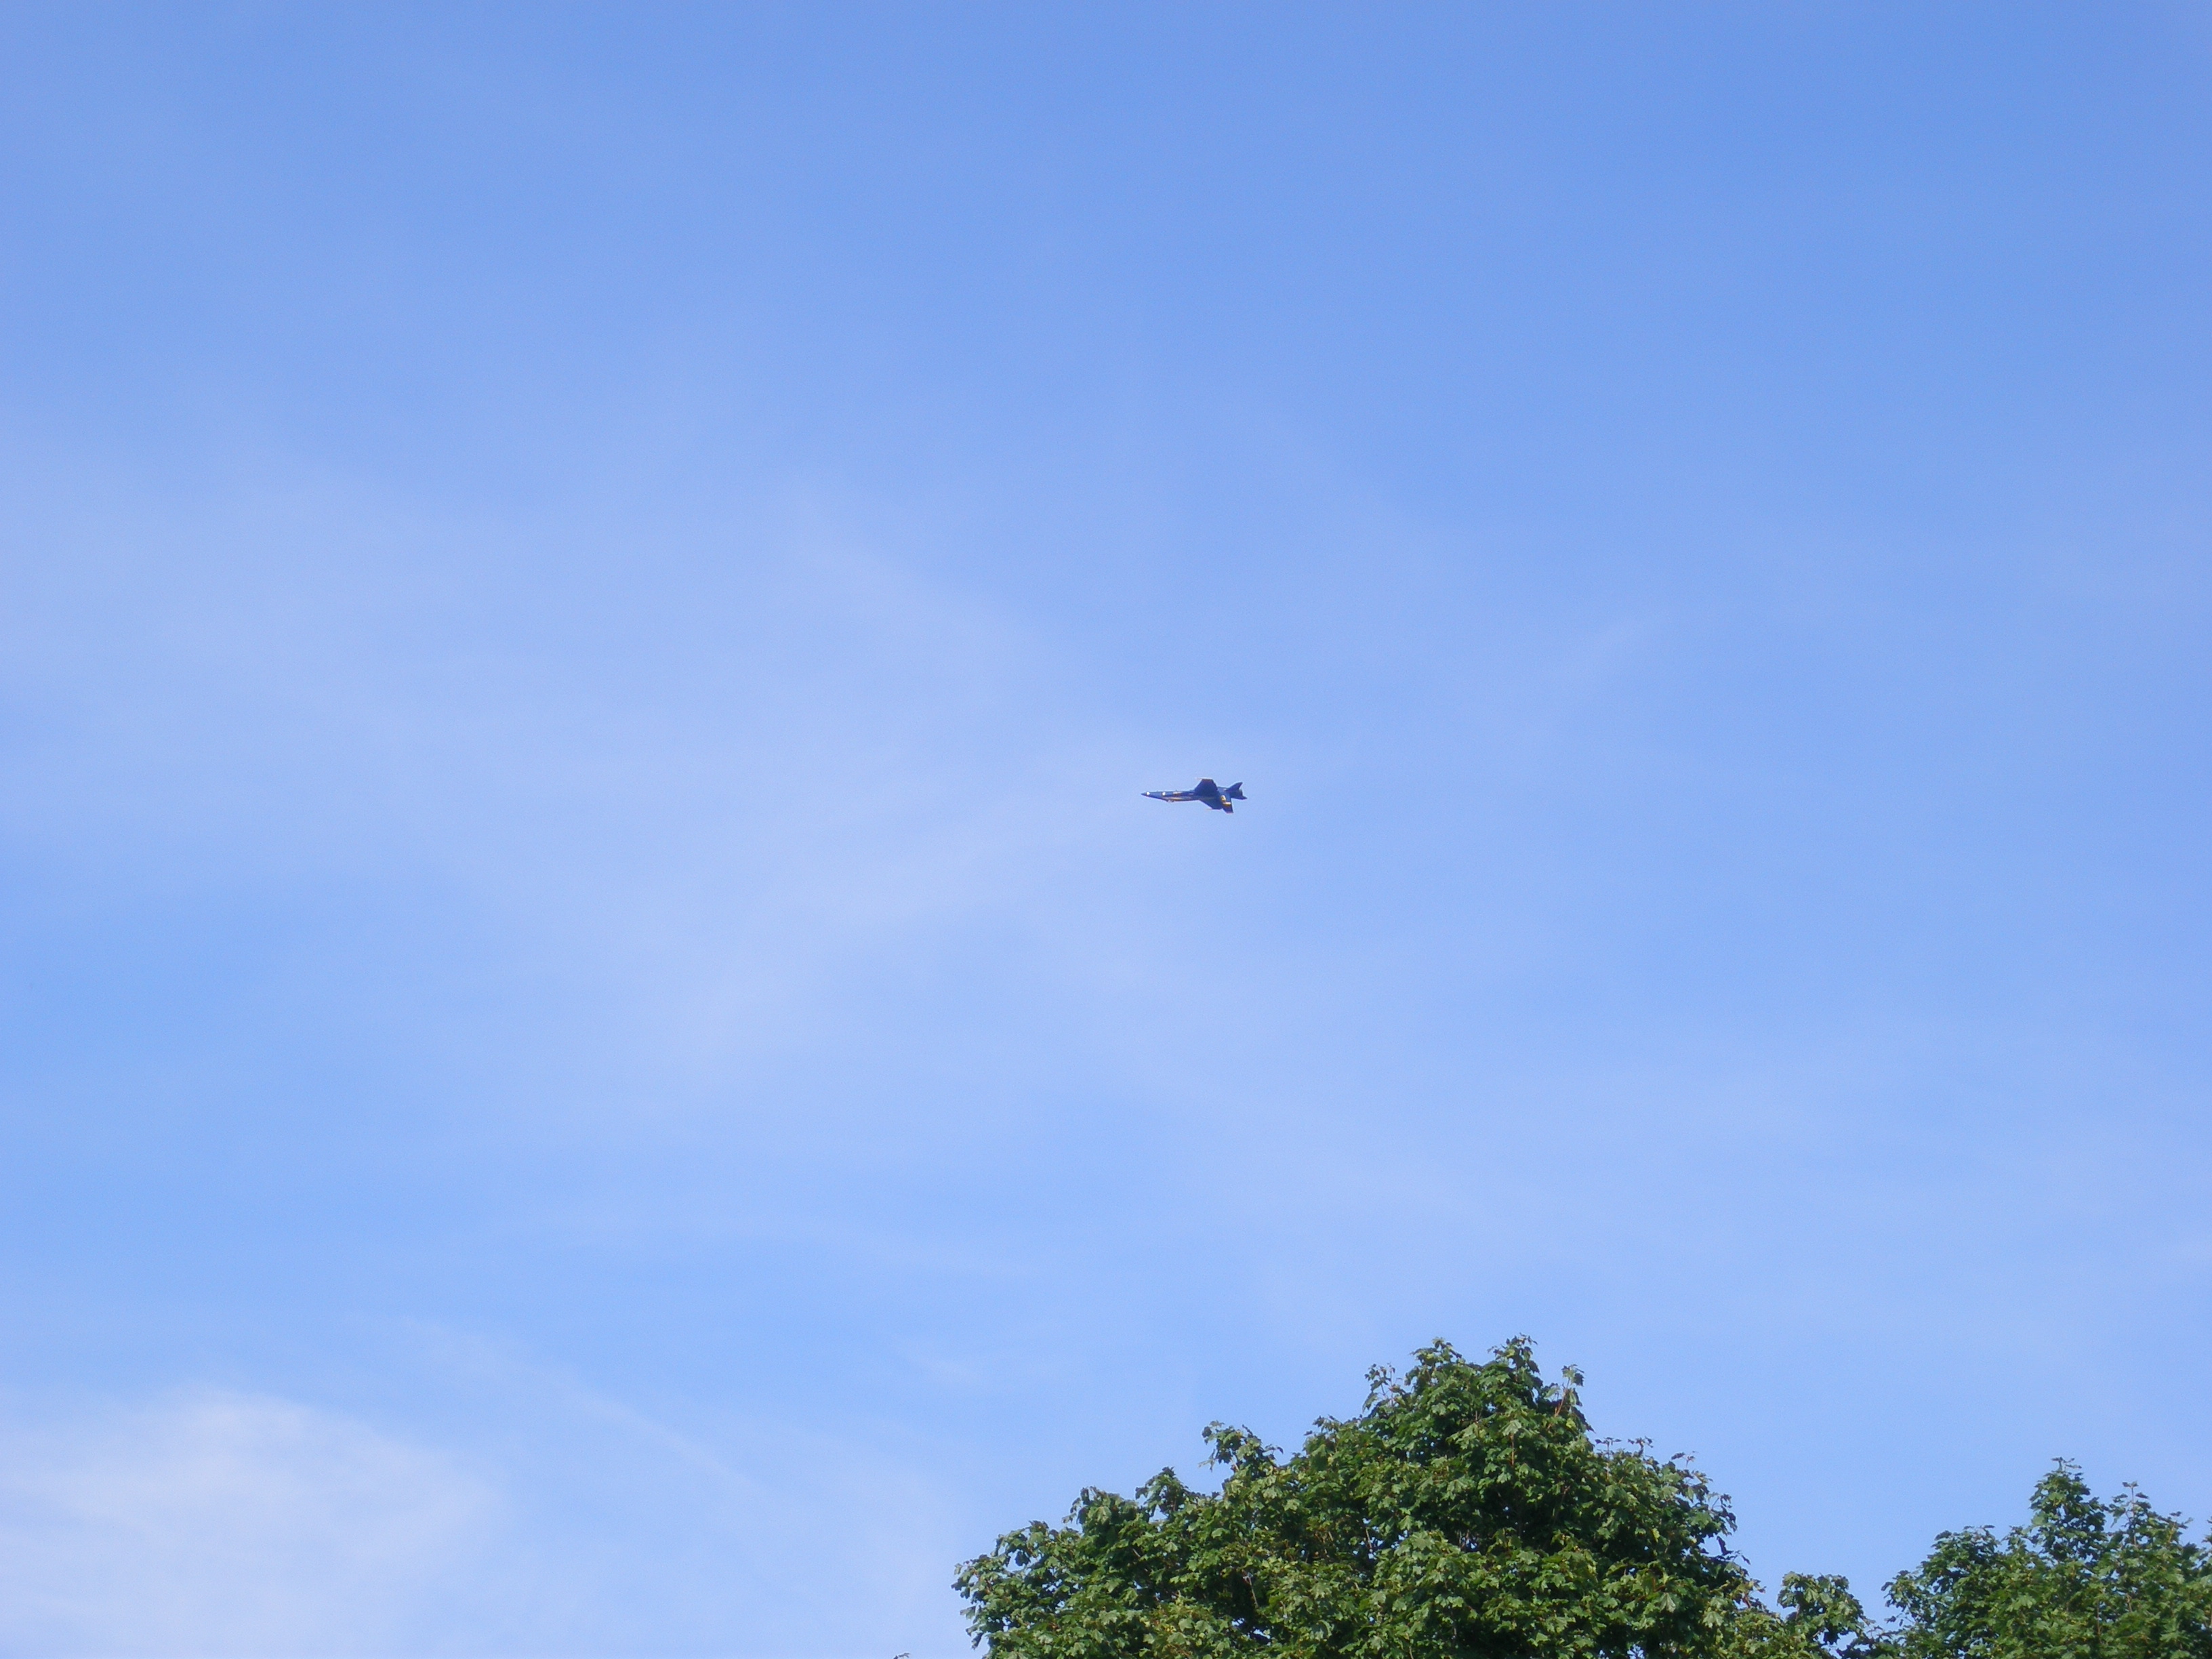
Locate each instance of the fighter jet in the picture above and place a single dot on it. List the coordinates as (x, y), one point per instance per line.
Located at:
(1208, 791)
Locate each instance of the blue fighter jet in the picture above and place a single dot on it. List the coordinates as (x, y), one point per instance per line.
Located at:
(1208, 791)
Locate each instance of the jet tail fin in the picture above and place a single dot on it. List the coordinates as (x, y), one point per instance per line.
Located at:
(1234, 792)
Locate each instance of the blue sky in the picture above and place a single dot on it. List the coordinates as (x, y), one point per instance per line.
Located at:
(599, 1054)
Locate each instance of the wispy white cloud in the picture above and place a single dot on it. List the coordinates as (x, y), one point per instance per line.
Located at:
(229, 1524)
(219, 1523)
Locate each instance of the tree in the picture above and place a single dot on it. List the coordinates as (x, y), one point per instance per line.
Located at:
(2084, 1579)
(1467, 1511)
(1819, 1619)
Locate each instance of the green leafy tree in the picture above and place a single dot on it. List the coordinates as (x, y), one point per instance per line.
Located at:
(1467, 1513)
(1818, 1619)
(2084, 1579)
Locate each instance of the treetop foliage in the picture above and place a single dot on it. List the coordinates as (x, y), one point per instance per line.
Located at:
(1468, 1512)
(2085, 1579)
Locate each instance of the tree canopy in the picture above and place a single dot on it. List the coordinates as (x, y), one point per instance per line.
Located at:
(1468, 1512)
(2085, 1579)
